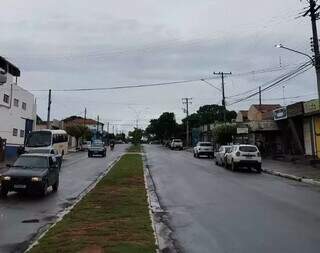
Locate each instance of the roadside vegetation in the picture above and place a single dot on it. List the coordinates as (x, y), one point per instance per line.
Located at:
(113, 217)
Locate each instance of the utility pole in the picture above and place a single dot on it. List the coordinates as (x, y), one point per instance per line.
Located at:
(49, 109)
(97, 125)
(223, 74)
(187, 101)
(85, 116)
(259, 95)
(314, 14)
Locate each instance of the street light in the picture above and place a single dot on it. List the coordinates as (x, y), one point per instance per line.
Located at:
(296, 51)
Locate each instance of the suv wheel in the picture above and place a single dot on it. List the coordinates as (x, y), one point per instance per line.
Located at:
(44, 189)
(258, 168)
(4, 192)
(55, 186)
(233, 166)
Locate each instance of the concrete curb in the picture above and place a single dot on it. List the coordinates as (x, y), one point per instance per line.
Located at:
(42, 232)
(163, 233)
(292, 177)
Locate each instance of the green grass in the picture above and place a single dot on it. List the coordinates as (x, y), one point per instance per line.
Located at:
(135, 148)
(113, 217)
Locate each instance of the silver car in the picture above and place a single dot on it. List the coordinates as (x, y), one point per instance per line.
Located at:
(220, 154)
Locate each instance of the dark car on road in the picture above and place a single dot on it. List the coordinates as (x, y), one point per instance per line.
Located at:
(47, 151)
(31, 173)
(97, 148)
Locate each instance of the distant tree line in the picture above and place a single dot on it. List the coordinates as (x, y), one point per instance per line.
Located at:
(166, 127)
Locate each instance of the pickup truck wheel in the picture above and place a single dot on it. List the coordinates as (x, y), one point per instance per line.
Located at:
(4, 192)
(55, 186)
(194, 154)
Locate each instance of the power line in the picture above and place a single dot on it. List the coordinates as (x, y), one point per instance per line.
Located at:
(303, 68)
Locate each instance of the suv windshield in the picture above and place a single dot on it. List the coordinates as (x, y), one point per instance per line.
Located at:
(31, 161)
(205, 144)
(248, 149)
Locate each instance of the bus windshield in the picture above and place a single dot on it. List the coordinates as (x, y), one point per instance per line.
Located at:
(39, 139)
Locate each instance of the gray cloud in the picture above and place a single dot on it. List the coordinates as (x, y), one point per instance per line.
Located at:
(102, 44)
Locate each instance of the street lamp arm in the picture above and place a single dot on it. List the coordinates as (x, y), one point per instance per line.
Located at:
(295, 51)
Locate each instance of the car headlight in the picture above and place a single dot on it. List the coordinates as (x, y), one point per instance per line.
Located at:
(6, 178)
(36, 179)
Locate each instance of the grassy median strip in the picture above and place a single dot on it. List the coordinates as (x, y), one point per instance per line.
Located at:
(113, 217)
(135, 148)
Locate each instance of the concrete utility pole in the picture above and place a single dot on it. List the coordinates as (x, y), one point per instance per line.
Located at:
(223, 74)
(97, 124)
(314, 14)
(85, 116)
(49, 109)
(259, 95)
(187, 101)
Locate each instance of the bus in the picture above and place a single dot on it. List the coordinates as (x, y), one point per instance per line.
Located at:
(43, 139)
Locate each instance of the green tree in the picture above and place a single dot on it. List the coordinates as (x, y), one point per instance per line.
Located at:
(164, 127)
(79, 131)
(209, 114)
(136, 135)
(223, 134)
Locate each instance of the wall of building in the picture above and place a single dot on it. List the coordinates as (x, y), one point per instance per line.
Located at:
(14, 116)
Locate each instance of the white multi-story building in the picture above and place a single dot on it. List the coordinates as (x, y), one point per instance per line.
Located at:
(17, 109)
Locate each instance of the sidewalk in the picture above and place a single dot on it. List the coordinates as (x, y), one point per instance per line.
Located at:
(300, 172)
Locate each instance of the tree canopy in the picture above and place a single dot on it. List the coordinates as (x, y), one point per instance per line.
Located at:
(209, 114)
(165, 127)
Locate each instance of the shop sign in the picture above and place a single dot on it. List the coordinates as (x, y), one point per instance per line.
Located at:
(295, 110)
(311, 106)
(242, 130)
(280, 113)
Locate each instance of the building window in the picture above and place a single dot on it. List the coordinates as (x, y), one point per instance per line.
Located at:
(6, 98)
(21, 133)
(15, 132)
(16, 102)
(24, 106)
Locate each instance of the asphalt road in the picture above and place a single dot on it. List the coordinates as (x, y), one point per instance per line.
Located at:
(21, 217)
(214, 210)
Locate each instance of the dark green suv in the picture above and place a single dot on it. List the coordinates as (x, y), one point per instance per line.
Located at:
(32, 173)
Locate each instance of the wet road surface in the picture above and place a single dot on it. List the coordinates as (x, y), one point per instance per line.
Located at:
(22, 216)
(212, 209)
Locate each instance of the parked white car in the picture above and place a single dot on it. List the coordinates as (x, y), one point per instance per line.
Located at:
(203, 149)
(176, 144)
(219, 156)
(243, 156)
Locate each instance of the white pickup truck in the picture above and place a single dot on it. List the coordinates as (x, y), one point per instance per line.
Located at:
(176, 144)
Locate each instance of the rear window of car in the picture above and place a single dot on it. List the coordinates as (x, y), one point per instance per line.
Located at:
(205, 144)
(248, 149)
(177, 140)
(227, 149)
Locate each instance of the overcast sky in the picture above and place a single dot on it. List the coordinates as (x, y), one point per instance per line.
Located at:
(98, 43)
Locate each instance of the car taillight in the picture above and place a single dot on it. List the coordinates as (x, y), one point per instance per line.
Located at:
(238, 153)
(258, 154)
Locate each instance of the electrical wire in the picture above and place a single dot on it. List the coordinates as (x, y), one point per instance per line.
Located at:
(300, 70)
